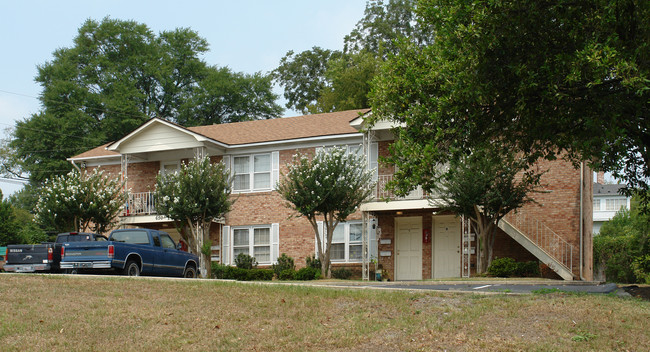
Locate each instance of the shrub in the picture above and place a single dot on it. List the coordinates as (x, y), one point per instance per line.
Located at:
(502, 267)
(220, 271)
(341, 273)
(623, 245)
(287, 274)
(284, 263)
(508, 267)
(245, 261)
(307, 273)
(313, 262)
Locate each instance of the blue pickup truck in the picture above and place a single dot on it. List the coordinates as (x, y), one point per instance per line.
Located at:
(131, 252)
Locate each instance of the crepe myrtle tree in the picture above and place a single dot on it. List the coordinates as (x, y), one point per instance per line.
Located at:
(193, 197)
(484, 186)
(80, 201)
(331, 186)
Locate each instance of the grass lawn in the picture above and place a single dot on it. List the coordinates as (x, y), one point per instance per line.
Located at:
(62, 313)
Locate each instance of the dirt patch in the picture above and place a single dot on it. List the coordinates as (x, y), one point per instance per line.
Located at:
(642, 292)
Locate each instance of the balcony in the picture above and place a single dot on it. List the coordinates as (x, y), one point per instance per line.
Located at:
(141, 203)
(384, 194)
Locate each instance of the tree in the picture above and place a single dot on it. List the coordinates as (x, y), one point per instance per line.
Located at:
(330, 186)
(117, 75)
(80, 201)
(484, 187)
(384, 25)
(622, 247)
(193, 197)
(9, 226)
(566, 79)
(321, 80)
(303, 76)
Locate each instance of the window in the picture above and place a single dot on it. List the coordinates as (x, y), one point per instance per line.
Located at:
(167, 241)
(169, 167)
(596, 204)
(615, 204)
(135, 237)
(252, 172)
(346, 242)
(254, 241)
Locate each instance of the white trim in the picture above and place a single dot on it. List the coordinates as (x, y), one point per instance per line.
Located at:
(295, 140)
(199, 137)
(251, 173)
(251, 241)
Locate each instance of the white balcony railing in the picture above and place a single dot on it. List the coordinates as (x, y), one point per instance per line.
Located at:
(383, 193)
(141, 203)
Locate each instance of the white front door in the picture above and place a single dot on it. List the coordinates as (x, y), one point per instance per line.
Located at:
(408, 245)
(446, 247)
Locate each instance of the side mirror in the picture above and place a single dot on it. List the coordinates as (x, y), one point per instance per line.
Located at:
(179, 246)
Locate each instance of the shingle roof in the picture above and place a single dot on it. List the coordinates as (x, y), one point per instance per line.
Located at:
(282, 129)
(600, 189)
(96, 152)
(259, 131)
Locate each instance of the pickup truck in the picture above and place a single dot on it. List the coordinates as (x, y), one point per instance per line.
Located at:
(44, 257)
(131, 252)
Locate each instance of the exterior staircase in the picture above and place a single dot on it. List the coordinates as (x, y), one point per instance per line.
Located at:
(549, 247)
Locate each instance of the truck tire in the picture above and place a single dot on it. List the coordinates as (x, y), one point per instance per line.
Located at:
(132, 268)
(71, 271)
(190, 272)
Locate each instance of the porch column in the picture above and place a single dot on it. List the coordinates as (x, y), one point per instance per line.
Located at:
(365, 247)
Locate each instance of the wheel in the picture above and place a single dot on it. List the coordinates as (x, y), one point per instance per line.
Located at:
(71, 271)
(132, 268)
(190, 272)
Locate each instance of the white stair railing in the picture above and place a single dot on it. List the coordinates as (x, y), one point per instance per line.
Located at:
(543, 237)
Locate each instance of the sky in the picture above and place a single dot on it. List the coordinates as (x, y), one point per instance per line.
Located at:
(245, 35)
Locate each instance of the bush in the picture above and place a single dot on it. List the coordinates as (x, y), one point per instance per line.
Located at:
(287, 274)
(220, 271)
(508, 267)
(341, 273)
(313, 262)
(502, 267)
(245, 261)
(285, 263)
(622, 248)
(308, 273)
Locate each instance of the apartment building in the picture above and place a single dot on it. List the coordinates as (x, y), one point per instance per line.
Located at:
(409, 236)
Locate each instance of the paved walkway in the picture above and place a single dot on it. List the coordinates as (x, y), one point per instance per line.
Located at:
(482, 286)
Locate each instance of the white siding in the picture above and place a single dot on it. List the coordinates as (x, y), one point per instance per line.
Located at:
(158, 137)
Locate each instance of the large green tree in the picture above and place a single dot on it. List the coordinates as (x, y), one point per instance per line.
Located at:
(546, 79)
(117, 75)
(320, 80)
(330, 186)
(193, 197)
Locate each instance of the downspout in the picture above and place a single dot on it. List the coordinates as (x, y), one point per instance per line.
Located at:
(582, 187)
(75, 165)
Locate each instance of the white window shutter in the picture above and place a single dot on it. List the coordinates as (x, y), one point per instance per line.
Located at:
(275, 242)
(374, 157)
(275, 169)
(225, 245)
